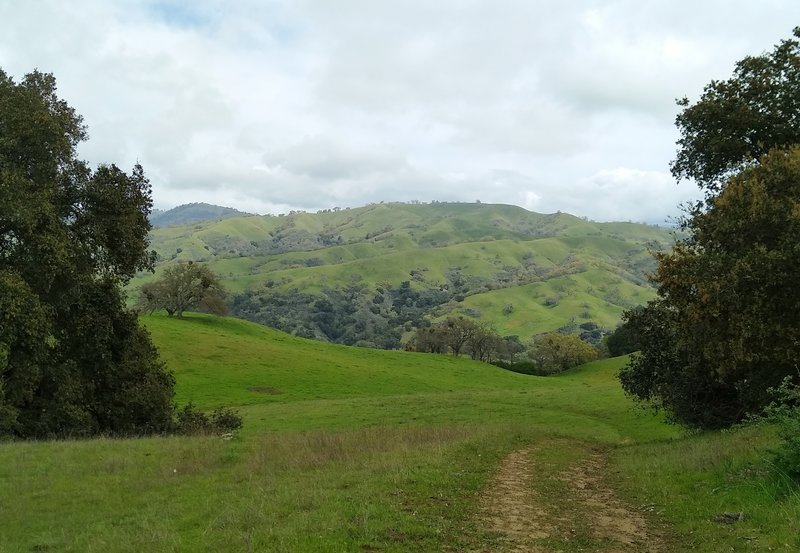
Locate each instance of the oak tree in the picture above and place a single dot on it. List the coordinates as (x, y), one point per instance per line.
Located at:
(726, 324)
(73, 359)
(737, 121)
(183, 287)
(554, 352)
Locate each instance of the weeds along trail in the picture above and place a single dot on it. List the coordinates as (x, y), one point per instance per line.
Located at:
(554, 497)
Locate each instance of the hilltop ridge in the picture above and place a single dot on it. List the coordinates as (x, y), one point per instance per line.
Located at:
(192, 213)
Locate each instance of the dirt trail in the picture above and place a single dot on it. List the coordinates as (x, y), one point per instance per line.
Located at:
(545, 507)
(510, 507)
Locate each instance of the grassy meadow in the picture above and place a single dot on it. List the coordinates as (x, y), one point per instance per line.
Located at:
(348, 449)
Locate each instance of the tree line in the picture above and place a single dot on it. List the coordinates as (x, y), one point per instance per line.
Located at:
(548, 353)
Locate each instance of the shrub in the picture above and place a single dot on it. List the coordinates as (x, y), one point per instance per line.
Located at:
(190, 421)
(226, 419)
(785, 412)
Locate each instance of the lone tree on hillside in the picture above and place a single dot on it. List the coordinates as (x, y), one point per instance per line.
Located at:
(726, 324)
(555, 353)
(73, 360)
(182, 287)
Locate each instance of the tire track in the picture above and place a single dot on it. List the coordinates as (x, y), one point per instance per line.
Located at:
(585, 515)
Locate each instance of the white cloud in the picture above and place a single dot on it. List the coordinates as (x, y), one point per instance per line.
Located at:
(274, 105)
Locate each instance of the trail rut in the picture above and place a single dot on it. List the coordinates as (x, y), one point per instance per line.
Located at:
(536, 507)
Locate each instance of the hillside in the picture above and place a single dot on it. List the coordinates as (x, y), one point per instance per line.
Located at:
(191, 213)
(348, 449)
(270, 374)
(522, 272)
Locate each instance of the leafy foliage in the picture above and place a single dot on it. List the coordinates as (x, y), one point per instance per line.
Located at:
(739, 120)
(625, 339)
(554, 352)
(785, 412)
(459, 335)
(184, 286)
(73, 360)
(351, 315)
(190, 421)
(725, 327)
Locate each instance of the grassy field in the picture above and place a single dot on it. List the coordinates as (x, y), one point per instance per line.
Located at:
(348, 449)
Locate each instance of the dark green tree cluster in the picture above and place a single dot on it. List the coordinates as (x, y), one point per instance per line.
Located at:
(73, 360)
(625, 338)
(726, 324)
(351, 314)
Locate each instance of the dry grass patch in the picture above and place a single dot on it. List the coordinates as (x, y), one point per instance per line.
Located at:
(317, 449)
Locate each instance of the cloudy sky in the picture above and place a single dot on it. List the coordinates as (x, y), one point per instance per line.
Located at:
(273, 105)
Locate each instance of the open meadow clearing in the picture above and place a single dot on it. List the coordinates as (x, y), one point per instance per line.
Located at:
(348, 449)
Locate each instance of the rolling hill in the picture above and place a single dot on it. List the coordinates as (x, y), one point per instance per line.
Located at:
(522, 272)
(350, 449)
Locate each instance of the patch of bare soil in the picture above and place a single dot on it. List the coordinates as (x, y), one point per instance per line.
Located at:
(609, 519)
(528, 520)
(510, 508)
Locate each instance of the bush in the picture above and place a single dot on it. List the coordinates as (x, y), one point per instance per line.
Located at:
(222, 420)
(626, 338)
(785, 412)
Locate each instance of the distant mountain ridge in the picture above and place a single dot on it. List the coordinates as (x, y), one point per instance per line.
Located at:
(192, 213)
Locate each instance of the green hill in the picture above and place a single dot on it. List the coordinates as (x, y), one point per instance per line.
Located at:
(191, 213)
(349, 449)
(275, 378)
(522, 272)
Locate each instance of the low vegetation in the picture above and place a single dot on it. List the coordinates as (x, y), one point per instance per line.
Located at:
(352, 449)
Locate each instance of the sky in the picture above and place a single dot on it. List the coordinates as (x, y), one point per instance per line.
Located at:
(276, 105)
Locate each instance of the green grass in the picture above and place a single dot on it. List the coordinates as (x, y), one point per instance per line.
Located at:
(693, 481)
(305, 384)
(348, 449)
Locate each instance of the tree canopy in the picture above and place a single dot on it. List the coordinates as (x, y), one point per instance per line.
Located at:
(737, 121)
(726, 324)
(554, 352)
(73, 360)
(182, 287)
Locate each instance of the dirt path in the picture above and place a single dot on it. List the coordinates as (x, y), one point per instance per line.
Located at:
(542, 501)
